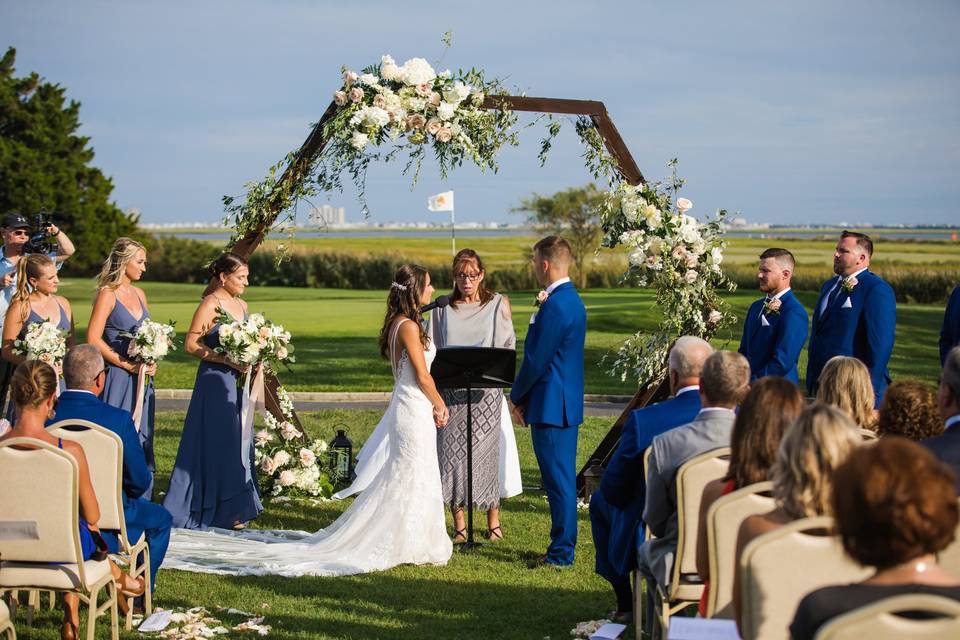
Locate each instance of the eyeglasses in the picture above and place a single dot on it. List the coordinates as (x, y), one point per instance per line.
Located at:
(20, 232)
(468, 276)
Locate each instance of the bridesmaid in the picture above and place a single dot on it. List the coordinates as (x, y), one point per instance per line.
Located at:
(214, 477)
(120, 308)
(35, 300)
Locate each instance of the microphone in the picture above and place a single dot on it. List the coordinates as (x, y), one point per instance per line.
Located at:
(442, 301)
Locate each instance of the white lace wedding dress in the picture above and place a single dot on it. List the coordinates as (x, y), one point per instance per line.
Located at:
(398, 519)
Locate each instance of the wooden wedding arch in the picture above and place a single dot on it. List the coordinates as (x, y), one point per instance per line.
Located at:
(314, 144)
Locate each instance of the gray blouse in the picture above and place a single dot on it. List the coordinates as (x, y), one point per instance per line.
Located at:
(473, 325)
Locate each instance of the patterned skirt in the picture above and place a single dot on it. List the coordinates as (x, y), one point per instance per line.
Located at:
(452, 448)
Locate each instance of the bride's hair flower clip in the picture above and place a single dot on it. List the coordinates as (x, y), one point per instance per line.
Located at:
(397, 285)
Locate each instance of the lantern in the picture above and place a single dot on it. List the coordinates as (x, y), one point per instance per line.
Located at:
(342, 449)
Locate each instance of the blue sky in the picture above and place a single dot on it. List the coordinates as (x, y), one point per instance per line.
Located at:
(785, 111)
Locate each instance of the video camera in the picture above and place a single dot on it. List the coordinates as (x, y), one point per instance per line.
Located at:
(40, 237)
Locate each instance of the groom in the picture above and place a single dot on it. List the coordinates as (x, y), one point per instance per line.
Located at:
(548, 391)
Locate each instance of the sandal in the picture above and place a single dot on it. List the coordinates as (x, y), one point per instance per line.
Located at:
(69, 631)
(494, 534)
(138, 588)
(460, 535)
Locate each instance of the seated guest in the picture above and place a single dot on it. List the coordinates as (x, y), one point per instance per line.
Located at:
(909, 409)
(895, 508)
(724, 382)
(776, 325)
(845, 384)
(33, 389)
(616, 508)
(813, 446)
(84, 372)
(947, 445)
(764, 415)
(950, 330)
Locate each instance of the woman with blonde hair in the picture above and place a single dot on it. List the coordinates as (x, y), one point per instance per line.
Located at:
(33, 392)
(35, 301)
(813, 446)
(845, 384)
(119, 309)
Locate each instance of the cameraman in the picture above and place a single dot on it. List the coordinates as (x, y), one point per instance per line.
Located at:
(16, 232)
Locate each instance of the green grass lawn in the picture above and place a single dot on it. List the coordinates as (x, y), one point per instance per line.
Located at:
(335, 332)
(488, 593)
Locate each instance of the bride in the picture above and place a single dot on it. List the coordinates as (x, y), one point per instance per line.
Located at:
(399, 518)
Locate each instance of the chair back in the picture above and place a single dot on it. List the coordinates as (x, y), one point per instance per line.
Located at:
(868, 435)
(646, 474)
(39, 504)
(949, 558)
(878, 621)
(692, 477)
(723, 524)
(780, 567)
(104, 451)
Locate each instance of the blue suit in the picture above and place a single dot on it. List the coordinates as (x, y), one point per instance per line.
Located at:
(616, 509)
(774, 348)
(946, 447)
(860, 324)
(142, 516)
(950, 331)
(549, 387)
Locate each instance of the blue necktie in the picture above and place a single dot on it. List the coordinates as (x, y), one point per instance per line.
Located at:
(833, 294)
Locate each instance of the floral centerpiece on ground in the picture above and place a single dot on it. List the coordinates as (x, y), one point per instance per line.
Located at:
(679, 257)
(43, 341)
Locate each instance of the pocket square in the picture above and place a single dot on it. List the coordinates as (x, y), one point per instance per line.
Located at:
(763, 321)
(846, 304)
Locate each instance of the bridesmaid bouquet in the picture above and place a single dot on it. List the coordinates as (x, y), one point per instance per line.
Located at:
(254, 341)
(44, 341)
(152, 342)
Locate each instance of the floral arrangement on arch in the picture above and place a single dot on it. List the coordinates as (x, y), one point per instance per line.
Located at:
(670, 251)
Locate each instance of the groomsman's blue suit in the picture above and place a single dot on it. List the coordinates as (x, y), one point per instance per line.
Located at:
(774, 348)
(549, 386)
(950, 332)
(861, 324)
(616, 509)
(142, 516)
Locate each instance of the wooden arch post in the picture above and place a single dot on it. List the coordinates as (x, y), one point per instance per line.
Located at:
(595, 110)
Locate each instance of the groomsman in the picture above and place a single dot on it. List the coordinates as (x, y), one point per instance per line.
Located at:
(776, 326)
(856, 315)
(548, 391)
(950, 331)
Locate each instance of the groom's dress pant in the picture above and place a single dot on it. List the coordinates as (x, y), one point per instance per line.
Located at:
(556, 451)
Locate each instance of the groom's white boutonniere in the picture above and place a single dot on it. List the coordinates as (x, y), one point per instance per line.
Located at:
(772, 307)
(541, 298)
(849, 283)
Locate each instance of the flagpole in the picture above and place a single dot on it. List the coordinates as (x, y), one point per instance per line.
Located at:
(453, 232)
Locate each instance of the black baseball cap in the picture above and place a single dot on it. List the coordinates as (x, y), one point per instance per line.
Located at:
(15, 221)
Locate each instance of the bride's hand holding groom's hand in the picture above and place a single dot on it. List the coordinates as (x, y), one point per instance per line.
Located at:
(441, 415)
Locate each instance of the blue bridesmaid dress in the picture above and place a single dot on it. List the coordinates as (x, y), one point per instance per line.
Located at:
(120, 387)
(209, 486)
(32, 319)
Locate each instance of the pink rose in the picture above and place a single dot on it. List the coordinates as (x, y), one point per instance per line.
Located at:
(444, 135)
(267, 466)
(262, 437)
(380, 101)
(349, 77)
(282, 353)
(435, 99)
(679, 252)
(340, 98)
(690, 276)
(774, 305)
(433, 126)
(849, 283)
(541, 298)
(356, 94)
(307, 457)
(691, 260)
(714, 317)
(287, 478)
(424, 89)
(416, 121)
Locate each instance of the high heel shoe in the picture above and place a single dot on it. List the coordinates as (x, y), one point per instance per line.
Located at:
(68, 631)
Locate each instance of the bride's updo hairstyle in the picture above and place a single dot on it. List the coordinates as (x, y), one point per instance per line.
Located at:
(226, 264)
(32, 383)
(403, 300)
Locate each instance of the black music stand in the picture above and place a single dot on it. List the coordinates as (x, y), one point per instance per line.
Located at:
(473, 368)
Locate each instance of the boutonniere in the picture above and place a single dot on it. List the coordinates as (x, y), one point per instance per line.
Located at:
(541, 298)
(849, 283)
(772, 307)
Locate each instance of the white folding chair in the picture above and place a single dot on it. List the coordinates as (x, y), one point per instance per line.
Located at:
(949, 558)
(104, 451)
(6, 624)
(40, 522)
(878, 621)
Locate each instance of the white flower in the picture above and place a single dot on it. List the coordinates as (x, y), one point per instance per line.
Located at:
(389, 70)
(654, 262)
(307, 457)
(268, 466)
(368, 79)
(690, 276)
(359, 140)
(691, 260)
(417, 71)
(446, 110)
(714, 317)
(280, 458)
(716, 255)
(636, 257)
(349, 77)
(684, 205)
(320, 446)
(456, 93)
(288, 431)
(287, 478)
(262, 437)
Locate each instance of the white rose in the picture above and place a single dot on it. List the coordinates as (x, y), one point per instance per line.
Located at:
(267, 466)
(446, 110)
(716, 255)
(263, 437)
(368, 79)
(457, 93)
(714, 317)
(282, 353)
(340, 98)
(390, 71)
(359, 140)
(307, 457)
(287, 478)
(349, 77)
(375, 116)
(654, 262)
(690, 276)
(320, 446)
(417, 71)
(444, 135)
(280, 458)
(691, 260)
(679, 252)
(689, 234)
(684, 205)
(636, 257)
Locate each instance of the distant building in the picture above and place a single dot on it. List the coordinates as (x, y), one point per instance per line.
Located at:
(326, 215)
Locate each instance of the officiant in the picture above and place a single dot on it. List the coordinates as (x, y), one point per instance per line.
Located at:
(476, 317)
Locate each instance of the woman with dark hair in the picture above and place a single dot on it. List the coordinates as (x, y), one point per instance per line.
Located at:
(895, 508)
(399, 517)
(214, 479)
(476, 317)
(909, 409)
(771, 406)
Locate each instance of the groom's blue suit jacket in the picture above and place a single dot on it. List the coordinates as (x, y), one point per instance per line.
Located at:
(550, 382)
(950, 331)
(860, 323)
(774, 348)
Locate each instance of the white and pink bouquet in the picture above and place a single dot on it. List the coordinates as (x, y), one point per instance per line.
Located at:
(255, 341)
(44, 341)
(151, 342)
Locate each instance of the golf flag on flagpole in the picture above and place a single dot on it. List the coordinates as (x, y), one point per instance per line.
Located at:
(441, 202)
